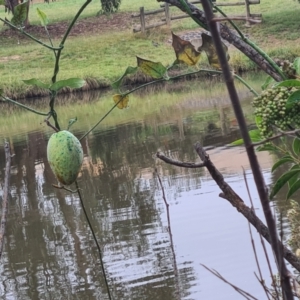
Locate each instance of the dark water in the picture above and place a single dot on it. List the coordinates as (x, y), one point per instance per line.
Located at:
(50, 252)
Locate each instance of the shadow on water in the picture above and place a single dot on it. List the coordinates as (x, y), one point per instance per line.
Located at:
(50, 253)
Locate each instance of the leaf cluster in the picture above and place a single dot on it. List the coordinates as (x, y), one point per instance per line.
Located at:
(185, 52)
(278, 109)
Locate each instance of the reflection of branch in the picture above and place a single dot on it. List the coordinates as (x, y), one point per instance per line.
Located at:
(235, 200)
(5, 195)
(170, 234)
(178, 163)
(260, 278)
(240, 291)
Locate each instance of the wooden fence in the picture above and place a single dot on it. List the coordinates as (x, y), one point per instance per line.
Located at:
(167, 18)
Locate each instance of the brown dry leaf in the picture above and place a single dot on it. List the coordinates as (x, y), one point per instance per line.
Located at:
(121, 101)
(185, 51)
(210, 50)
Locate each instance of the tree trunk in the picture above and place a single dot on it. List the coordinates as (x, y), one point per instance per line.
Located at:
(231, 37)
(11, 4)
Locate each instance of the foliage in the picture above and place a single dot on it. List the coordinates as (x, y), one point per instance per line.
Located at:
(110, 6)
(277, 112)
(19, 14)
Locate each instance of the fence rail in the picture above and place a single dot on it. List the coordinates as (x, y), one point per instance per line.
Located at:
(167, 18)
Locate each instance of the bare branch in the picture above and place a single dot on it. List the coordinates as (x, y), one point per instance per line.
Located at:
(292, 133)
(5, 196)
(230, 195)
(177, 163)
(231, 37)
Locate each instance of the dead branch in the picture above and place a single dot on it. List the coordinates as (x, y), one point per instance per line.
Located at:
(230, 195)
(177, 163)
(5, 196)
(231, 37)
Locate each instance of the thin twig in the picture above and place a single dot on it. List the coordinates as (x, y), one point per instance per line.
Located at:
(261, 280)
(164, 80)
(30, 36)
(95, 239)
(170, 234)
(279, 135)
(239, 290)
(5, 196)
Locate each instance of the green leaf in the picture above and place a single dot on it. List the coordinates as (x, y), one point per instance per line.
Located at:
(71, 122)
(255, 137)
(2, 2)
(238, 142)
(43, 17)
(154, 69)
(282, 180)
(296, 146)
(296, 65)
(267, 82)
(294, 188)
(73, 83)
(258, 120)
(20, 14)
(288, 83)
(292, 99)
(281, 161)
(129, 70)
(36, 82)
(266, 147)
(294, 178)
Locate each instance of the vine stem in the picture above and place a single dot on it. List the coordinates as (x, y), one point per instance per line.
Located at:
(25, 107)
(57, 54)
(253, 45)
(163, 80)
(29, 35)
(95, 239)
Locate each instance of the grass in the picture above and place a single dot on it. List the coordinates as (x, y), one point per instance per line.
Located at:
(106, 56)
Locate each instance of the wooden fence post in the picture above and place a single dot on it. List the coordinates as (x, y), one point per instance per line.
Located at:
(142, 17)
(167, 13)
(248, 15)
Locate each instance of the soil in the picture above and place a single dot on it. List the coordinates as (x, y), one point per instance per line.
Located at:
(89, 26)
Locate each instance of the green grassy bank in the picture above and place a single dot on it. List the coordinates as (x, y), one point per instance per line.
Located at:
(104, 56)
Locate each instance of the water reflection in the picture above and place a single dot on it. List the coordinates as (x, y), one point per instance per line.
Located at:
(50, 252)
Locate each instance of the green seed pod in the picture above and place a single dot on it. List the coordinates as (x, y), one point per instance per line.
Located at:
(65, 156)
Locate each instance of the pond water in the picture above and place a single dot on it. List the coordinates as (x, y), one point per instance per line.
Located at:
(50, 252)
